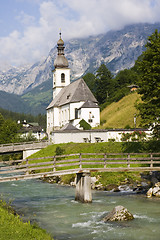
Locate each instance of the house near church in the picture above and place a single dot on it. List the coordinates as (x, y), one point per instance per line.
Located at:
(72, 101)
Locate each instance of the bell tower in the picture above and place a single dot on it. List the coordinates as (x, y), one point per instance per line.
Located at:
(61, 73)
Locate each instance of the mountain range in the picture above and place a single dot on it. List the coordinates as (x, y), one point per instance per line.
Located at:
(28, 88)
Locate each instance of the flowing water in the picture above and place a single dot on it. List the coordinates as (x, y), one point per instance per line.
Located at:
(54, 209)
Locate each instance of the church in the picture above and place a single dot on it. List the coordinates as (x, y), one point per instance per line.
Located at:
(72, 101)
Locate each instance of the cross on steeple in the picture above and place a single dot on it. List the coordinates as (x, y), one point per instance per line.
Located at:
(60, 33)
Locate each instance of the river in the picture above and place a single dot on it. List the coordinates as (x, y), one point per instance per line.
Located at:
(53, 207)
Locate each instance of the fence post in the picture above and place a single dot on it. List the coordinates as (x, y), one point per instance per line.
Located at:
(27, 171)
(105, 160)
(128, 160)
(54, 163)
(151, 165)
(80, 160)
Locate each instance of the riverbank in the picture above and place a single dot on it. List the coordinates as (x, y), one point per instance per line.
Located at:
(13, 228)
(115, 182)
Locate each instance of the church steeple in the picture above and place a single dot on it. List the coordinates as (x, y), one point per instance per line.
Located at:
(61, 73)
(60, 61)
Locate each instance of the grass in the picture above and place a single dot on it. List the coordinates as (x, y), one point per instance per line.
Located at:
(120, 114)
(70, 148)
(13, 228)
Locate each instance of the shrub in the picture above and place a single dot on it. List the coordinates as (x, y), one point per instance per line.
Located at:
(135, 136)
(59, 151)
(85, 125)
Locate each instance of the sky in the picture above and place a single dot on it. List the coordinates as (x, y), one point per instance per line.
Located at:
(30, 28)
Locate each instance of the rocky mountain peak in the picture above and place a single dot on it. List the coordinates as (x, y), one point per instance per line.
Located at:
(117, 49)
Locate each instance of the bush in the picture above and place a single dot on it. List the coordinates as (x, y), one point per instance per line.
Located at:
(135, 136)
(59, 151)
(85, 125)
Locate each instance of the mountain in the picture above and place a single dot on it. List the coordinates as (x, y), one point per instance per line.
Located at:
(13, 102)
(117, 49)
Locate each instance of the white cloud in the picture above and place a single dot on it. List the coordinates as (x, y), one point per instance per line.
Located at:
(76, 19)
(25, 19)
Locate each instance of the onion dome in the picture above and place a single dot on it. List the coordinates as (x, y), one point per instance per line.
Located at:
(60, 61)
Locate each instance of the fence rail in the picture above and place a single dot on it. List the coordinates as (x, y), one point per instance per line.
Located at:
(13, 147)
(72, 163)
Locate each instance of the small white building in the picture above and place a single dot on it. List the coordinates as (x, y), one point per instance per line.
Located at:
(71, 102)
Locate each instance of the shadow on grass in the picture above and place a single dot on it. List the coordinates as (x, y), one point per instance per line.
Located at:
(139, 147)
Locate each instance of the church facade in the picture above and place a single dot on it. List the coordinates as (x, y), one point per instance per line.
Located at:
(72, 101)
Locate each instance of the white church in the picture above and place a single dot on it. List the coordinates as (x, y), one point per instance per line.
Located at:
(72, 101)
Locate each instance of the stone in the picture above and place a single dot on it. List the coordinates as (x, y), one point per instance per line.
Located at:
(154, 180)
(157, 194)
(149, 193)
(93, 182)
(112, 187)
(155, 190)
(157, 184)
(119, 213)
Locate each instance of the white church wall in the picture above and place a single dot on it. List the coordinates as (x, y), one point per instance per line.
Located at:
(78, 137)
(56, 116)
(64, 115)
(50, 114)
(91, 115)
(73, 106)
(57, 77)
(90, 136)
(57, 84)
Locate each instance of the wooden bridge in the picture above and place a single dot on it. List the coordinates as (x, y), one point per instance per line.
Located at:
(27, 148)
(80, 163)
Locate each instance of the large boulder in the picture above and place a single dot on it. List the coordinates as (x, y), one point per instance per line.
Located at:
(119, 213)
(149, 193)
(154, 191)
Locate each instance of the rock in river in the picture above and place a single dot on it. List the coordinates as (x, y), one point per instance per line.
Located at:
(119, 213)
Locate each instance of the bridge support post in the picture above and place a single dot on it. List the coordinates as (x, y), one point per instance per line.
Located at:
(83, 187)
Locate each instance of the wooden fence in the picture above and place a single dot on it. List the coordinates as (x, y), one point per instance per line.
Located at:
(72, 163)
(13, 147)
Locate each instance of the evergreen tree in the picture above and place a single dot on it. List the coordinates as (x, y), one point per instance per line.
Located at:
(90, 80)
(104, 84)
(1, 119)
(149, 83)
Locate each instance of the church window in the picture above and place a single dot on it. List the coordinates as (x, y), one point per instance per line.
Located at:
(68, 96)
(62, 78)
(90, 117)
(90, 120)
(76, 113)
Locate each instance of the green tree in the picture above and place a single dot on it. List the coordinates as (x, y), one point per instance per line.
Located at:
(126, 77)
(1, 120)
(104, 84)
(8, 131)
(149, 83)
(90, 80)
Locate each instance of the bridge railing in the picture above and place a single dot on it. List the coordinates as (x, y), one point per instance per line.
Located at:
(22, 146)
(110, 162)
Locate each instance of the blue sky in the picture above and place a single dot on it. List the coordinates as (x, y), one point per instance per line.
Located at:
(29, 28)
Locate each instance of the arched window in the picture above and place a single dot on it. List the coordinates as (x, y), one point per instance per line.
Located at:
(62, 78)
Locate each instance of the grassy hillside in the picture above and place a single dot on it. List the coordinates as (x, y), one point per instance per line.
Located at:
(120, 114)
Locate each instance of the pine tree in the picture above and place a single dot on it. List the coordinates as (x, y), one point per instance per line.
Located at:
(104, 84)
(149, 83)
